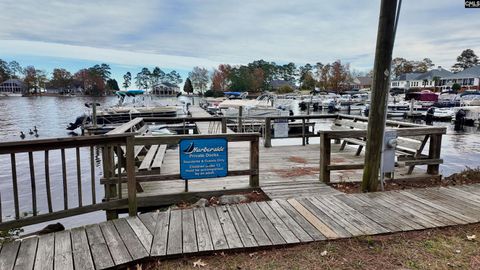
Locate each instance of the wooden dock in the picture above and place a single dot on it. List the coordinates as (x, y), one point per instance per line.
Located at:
(244, 226)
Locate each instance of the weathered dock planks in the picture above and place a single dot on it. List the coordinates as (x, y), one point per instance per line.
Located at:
(258, 224)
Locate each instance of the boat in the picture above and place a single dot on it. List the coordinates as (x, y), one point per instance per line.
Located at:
(425, 98)
(262, 106)
(470, 98)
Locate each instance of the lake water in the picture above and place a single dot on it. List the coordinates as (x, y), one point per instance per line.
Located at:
(52, 114)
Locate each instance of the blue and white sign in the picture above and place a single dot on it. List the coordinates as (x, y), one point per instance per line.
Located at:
(203, 158)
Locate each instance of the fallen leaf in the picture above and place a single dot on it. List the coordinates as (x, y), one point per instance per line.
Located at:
(471, 237)
(199, 263)
(324, 253)
(139, 267)
(252, 254)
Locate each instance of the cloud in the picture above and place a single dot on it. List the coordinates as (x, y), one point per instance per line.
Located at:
(181, 34)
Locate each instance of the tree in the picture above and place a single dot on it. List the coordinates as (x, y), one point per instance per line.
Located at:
(112, 85)
(456, 87)
(187, 87)
(306, 77)
(91, 80)
(199, 78)
(423, 66)
(61, 79)
(157, 76)
(127, 80)
(285, 89)
(220, 78)
(35, 79)
(173, 77)
(103, 71)
(142, 80)
(15, 69)
(5, 72)
(338, 75)
(466, 59)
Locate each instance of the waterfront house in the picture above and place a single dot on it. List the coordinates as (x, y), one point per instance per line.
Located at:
(420, 81)
(430, 80)
(468, 79)
(402, 82)
(165, 89)
(12, 87)
(362, 83)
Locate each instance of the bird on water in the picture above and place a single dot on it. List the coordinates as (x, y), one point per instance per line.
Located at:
(22, 135)
(30, 132)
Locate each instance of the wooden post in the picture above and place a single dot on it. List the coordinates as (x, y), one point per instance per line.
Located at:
(381, 81)
(240, 115)
(434, 152)
(131, 181)
(268, 133)
(94, 114)
(254, 163)
(325, 151)
(110, 189)
(303, 131)
(224, 125)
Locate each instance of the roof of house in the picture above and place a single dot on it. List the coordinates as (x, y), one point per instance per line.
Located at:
(167, 84)
(440, 72)
(472, 72)
(15, 81)
(363, 80)
(407, 76)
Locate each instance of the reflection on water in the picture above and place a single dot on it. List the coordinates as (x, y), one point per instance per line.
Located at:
(52, 114)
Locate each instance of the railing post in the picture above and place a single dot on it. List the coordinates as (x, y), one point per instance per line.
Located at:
(224, 125)
(240, 115)
(434, 152)
(131, 181)
(268, 132)
(254, 163)
(110, 189)
(325, 151)
(303, 131)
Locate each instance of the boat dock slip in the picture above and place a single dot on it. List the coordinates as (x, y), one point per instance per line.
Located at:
(247, 226)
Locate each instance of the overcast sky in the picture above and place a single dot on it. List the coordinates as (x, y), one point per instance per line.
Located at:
(182, 34)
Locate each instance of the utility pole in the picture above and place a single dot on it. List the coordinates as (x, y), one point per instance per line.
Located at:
(380, 87)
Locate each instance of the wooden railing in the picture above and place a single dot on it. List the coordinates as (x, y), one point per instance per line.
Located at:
(41, 157)
(432, 161)
(304, 118)
(252, 172)
(52, 164)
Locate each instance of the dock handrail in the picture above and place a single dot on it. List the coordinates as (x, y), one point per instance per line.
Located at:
(326, 136)
(34, 149)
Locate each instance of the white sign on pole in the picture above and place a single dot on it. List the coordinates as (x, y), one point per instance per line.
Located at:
(280, 128)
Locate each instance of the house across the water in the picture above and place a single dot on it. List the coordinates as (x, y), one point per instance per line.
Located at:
(12, 87)
(165, 89)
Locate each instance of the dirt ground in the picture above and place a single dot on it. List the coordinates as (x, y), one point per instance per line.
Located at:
(468, 176)
(445, 248)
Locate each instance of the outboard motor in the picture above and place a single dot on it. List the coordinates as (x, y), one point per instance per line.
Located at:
(367, 110)
(331, 107)
(315, 106)
(459, 120)
(429, 116)
(78, 122)
(303, 105)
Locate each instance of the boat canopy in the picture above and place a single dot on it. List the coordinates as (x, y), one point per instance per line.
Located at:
(129, 93)
(422, 96)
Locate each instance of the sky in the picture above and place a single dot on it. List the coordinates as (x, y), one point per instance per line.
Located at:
(182, 34)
